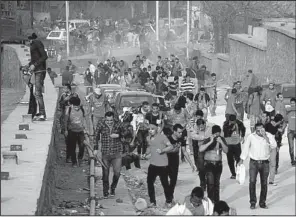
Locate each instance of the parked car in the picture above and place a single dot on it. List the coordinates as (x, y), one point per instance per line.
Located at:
(58, 35)
(288, 91)
(109, 89)
(131, 99)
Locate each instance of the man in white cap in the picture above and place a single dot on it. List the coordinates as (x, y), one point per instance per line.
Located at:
(98, 102)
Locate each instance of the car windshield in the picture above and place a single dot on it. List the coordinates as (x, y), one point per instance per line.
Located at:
(289, 92)
(134, 101)
(55, 34)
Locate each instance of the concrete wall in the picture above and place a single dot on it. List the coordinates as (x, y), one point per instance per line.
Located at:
(10, 68)
(217, 63)
(280, 56)
(47, 193)
(243, 57)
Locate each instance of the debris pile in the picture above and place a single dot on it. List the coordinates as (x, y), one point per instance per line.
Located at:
(136, 181)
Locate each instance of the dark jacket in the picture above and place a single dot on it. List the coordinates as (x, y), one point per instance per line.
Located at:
(227, 129)
(38, 55)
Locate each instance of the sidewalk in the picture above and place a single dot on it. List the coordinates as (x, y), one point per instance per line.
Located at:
(21, 193)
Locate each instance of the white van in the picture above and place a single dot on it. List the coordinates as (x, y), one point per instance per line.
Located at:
(75, 24)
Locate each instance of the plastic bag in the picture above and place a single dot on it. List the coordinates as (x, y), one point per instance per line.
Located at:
(179, 209)
(240, 174)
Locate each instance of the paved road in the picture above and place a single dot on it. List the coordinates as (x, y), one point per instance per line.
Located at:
(280, 199)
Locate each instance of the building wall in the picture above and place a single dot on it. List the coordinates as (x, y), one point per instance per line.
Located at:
(10, 69)
(280, 55)
(243, 57)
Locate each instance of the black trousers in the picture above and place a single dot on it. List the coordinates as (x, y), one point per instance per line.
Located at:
(213, 173)
(129, 159)
(32, 103)
(73, 139)
(162, 172)
(233, 154)
(173, 170)
(199, 163)
(261, 167)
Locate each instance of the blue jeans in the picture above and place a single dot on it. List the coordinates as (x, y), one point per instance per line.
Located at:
(115, 161)
(199, 163)
(213, 174)
(39, 83)
(261, 167)
(291, 140)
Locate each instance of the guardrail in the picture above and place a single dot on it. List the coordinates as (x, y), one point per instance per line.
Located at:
(92, 195)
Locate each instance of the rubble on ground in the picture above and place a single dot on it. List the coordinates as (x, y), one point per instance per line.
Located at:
(136, 181)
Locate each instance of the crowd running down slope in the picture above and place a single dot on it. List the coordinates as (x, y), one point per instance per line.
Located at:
(178, 124)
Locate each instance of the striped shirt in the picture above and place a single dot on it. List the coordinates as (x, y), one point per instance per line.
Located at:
(187, 86)
(173, 87)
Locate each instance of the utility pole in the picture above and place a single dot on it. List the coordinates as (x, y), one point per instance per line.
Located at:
(31, 13)
(188, 29)
(169, 6)
(67, 27)
(157, 19)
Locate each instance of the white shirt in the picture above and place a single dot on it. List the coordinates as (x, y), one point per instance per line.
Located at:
(146, 63)
(129, 36)
(257, 147)
(92, 69)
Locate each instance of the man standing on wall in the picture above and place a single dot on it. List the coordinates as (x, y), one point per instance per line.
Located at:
(37, 66)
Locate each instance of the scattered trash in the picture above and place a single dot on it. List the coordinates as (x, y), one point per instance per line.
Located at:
(86, 207)
(119, 200)
(99, 206)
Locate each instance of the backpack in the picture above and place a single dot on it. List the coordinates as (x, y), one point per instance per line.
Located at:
(82, 109)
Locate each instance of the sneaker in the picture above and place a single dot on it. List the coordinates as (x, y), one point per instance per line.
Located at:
(253, 206)
(112, 194)
(39, 118)
(169, 205)
(80, 162)
(106, 195)
(272, 183)
(151, 205)
(68, 161)
(263, 206)
(293, 164)
(74, 165)
(232, 177)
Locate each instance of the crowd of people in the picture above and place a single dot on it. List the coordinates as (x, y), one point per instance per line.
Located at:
(179, 124)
